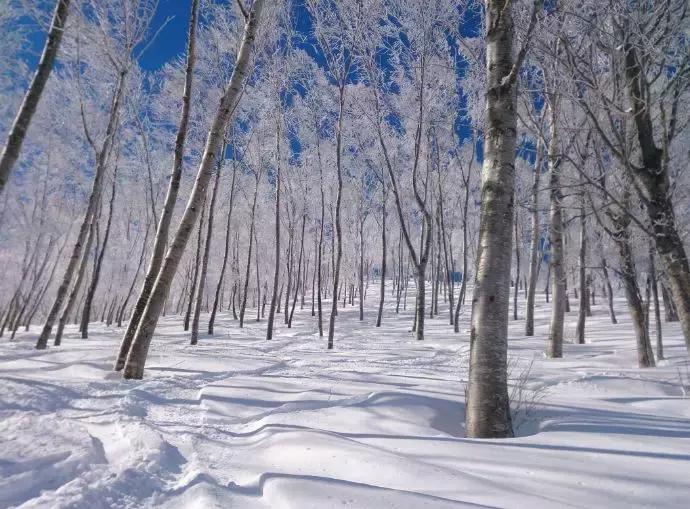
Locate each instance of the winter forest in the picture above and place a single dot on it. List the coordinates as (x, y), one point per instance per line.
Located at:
(363, 253)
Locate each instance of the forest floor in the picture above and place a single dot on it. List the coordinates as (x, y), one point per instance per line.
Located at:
(240, 422)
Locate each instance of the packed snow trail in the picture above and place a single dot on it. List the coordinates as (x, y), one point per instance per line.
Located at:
(377, 423)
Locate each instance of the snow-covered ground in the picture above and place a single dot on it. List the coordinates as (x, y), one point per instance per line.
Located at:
(239, 422)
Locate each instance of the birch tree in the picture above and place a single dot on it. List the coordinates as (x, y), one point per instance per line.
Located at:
(488, 405)
(15, 138)
(136, 358)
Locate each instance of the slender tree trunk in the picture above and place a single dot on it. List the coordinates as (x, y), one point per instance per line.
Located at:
(313, 278)
(319, 259)
(338, 226)
(136, 358)
(670, 313)
(628, 274)
(207, 250)
(20, 126)
(121, 311)
(221, 279)
(448, 272)
(39, 298)
(584, 291)
(517, 265)
(81, 272)
(534, 245)
(243, 306)
(275, 298)
(361, 271)
(94, 200)
(163, 229)
(657, 311)
(258, 281)
(197, 263)
(288, 267)
(382, 294)
(465, 249)
(299, 272)
(609, 291)
(86, 313)
(555, 345)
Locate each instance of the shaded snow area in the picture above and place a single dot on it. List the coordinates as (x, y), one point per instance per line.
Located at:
(239, 422)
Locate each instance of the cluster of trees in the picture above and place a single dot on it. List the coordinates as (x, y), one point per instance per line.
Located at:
(321, 145)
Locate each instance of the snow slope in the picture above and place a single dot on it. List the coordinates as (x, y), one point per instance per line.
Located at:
(377, 423)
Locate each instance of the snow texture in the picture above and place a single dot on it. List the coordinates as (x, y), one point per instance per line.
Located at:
(238, 421)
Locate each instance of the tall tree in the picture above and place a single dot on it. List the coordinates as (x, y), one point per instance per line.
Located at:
(163, 228)
(136, 359)
(17, 133)
(488, 404)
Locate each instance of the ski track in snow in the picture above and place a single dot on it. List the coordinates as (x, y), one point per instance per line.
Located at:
(238, 421)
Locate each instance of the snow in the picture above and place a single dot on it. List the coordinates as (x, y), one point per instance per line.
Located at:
(238, 421)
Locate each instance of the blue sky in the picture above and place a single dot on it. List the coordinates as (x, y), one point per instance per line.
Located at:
(170, 42)
(173, 16)
(172, 39)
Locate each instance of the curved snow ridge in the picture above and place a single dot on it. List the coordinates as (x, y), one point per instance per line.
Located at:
(287, 491)
(220, 405)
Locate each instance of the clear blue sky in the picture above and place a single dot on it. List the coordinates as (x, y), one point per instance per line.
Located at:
(172, 39)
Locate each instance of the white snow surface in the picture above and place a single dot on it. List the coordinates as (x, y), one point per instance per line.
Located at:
(241, 422)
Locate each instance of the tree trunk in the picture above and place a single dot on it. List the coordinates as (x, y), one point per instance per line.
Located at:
(197, 262)
(20, 126)
(584, 287)
(517, 265)
(609, 291)
(162, 232)
(86, 313)
(338, 226)
(94, 200)
(488, 404)
(313, 277)
(136, 359)
(657, 311)
(361, 271)
(207, 250)
(288, 267)
(645, 356)
(382, 294)
(465, 248)
(299, 272)
(670, 314)
(258, 282)
(535, 255)
(81, 272)
(275, 298)
(221, 278)
(555, 345)
(243, 306)
(654, 179)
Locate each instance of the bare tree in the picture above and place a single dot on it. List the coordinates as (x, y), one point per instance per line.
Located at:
(136, 359)
(488, 405)
(163, 227)
(17, 133)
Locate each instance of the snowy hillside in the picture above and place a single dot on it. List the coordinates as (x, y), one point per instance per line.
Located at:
(377, 423)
